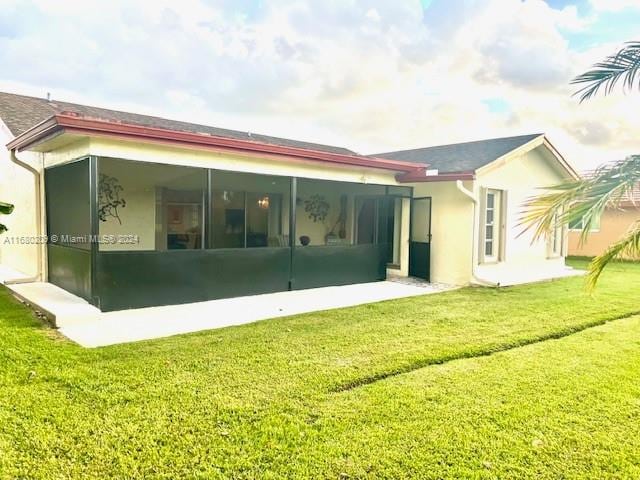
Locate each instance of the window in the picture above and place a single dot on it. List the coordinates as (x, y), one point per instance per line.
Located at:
(492, 225)
(250, 210)
(578, 225)
(557, 239)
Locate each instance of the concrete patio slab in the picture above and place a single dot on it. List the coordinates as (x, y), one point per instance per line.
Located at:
(60, 306)
(508, 276)
(87, 326)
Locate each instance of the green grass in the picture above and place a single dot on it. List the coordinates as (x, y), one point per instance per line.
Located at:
(397, 389)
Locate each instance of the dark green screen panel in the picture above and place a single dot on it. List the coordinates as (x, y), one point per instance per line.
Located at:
(68, 204)
(338, 265)
(70, 269)
(142, 279)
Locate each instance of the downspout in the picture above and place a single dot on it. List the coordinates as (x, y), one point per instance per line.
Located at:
(37, 179)
(474, 238)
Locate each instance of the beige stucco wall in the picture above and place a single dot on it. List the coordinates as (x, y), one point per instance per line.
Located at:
(451, 229)
(146, 152)
(522, 177)
(456, 223)
(139, 216)
(613, 225)
(17, 186)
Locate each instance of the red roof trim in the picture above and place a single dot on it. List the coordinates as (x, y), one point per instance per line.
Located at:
(77, 124)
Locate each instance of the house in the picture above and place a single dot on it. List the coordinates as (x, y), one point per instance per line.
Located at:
(612, 225)
(140, 211)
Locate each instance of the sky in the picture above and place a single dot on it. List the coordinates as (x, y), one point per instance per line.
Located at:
(370, 75)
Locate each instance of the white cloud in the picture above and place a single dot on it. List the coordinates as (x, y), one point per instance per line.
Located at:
(372, 75)
(614, 5)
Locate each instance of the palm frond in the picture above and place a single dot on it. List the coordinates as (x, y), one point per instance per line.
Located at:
(584, 199)
(623, 66)
(626, 247)
(6, 208)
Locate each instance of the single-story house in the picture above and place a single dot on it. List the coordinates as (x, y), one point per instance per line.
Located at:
(611, 226)
(127, 210)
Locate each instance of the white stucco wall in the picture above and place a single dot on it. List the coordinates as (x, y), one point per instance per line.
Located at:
(451, 230)
(17, 186)
(521, 177)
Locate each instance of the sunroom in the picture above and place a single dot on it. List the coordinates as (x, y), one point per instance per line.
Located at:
(135, 224)
(127, 234)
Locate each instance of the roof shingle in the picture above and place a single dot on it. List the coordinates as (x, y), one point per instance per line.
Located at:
(461, 157)
(20, 113)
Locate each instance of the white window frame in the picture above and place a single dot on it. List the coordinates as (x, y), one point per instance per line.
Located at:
(556, 240)
(495, 225)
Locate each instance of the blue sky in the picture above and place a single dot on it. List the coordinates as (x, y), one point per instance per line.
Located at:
(372, 75)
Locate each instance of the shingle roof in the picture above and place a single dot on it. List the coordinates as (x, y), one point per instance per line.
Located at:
(20, 113)
(461, 157)
(633, 196)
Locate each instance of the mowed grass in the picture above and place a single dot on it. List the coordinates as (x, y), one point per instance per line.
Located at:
(405, 388)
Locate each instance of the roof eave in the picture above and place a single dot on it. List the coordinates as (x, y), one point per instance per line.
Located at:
(67, 123)
(420, 176)
(563, 161)
(526, 147)
(36, 135)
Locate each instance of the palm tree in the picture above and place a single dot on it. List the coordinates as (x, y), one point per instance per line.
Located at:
(585, 199)
(5, 209)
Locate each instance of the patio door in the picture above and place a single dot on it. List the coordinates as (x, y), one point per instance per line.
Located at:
(420, 239)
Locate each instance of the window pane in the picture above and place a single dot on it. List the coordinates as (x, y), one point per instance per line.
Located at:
(264, 219)
(488, 248)
(420, 220)
(250, 210)
(491, 200)
(576, 224)
(489, 232)
(228, 219)
(184, 219)
(150, 206)
(490, 214)
(365, 218)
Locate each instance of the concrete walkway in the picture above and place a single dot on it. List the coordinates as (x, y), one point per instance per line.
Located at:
(86, 325)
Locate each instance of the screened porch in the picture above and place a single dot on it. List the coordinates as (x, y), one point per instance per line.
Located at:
(127, 234)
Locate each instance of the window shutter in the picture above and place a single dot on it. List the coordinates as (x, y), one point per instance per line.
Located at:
(503, 225)
(482, 217)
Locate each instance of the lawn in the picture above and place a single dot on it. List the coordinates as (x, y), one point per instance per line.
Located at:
(539, 381)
